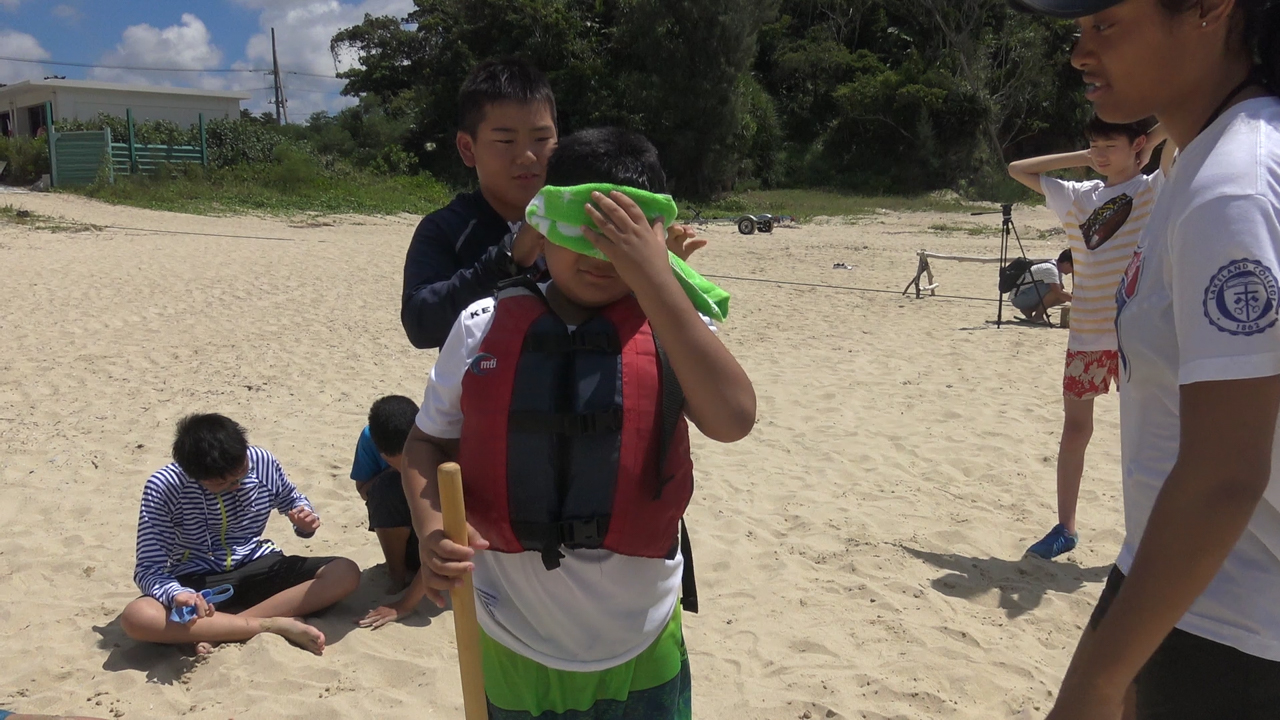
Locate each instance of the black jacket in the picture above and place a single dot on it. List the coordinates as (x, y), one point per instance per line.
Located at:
(454, 260)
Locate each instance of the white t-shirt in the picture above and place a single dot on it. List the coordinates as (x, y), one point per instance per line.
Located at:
(1198, 303)
(598, 609)
(1045, 272)
(1103, 224)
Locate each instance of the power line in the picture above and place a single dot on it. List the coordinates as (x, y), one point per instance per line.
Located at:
(314, 75)
(163, 69)
(134, 67)
(316, 92)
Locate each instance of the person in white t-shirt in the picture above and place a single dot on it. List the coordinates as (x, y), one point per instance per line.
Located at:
(1041, 287)
(1103, 219)
(1188, 626)
(563, 406)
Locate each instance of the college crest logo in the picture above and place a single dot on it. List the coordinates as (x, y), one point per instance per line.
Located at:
(1241, 298)
(483, 364)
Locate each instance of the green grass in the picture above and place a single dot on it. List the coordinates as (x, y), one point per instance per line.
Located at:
(36, 221)
(806, 204)
(279, 189)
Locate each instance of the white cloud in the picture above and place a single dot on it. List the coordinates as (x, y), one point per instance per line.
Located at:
(188, 45)
(10, 5)
(303, 31)
(67, 12)
(21, 45)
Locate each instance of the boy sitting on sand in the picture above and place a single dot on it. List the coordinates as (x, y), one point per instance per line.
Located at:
(563, 405)
(201, 527)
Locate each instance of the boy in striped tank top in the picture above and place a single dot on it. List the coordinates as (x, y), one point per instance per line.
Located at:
(1103, 220)
(200, 527)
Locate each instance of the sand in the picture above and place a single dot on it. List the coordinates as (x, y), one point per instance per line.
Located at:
(859, 555)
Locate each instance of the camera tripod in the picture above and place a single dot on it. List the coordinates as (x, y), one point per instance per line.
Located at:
(1009, 231)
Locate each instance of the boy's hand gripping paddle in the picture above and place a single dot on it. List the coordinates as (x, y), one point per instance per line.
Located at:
(464, 599)
(213, 596)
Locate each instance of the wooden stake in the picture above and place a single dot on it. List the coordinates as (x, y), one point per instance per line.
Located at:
(464, 598)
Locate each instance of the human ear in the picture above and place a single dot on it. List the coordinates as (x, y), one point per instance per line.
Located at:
(1213, 12)
(466, 148)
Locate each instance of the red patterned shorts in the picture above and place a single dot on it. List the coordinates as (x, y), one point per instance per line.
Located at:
(1089, 373)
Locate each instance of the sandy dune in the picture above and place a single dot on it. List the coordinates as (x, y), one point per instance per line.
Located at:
(859, 555)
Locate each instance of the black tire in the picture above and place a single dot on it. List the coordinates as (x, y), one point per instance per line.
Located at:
(766, 225)
(747, 225)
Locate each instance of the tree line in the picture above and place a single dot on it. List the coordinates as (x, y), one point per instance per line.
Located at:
(877, 96)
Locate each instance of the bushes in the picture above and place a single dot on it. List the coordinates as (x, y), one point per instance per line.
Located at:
(296, 184)
(28, 159)
(263, 167)
(148, 132)
(236, 142)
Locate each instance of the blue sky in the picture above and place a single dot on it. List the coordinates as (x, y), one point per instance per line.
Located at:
(197, 36)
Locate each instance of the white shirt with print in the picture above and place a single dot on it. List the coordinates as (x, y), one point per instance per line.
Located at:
(1103, 223)
(598, 609)
(1199, 303)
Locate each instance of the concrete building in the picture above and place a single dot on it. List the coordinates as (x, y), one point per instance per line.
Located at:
(22, 104)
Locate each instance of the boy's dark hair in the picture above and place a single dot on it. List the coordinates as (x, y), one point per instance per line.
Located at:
(606, 155)
(1065, 257)
(390, 420)
(504, 80)
(1099, 129)
(209, 446)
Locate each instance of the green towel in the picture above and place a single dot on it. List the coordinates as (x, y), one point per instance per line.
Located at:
(560, 212)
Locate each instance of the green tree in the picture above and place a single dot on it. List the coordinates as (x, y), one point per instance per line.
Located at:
(672, 70)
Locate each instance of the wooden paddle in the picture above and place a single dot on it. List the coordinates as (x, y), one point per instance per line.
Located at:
(464, 598)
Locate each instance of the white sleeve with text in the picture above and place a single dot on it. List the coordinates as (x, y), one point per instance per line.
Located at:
(441, 412)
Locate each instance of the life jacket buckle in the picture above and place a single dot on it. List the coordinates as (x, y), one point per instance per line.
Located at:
(581, 533)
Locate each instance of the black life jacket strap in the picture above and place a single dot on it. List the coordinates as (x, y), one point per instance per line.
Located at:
(577, 341)
(672, 410)
(547, 538)
(566, 424)
(688, 583)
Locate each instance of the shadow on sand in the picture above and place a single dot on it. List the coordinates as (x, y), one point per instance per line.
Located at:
(1022, 583)
(168, 664)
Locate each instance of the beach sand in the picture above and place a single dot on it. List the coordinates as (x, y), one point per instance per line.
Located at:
(858, 556)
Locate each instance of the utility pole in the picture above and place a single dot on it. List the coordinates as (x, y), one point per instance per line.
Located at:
(275, 71)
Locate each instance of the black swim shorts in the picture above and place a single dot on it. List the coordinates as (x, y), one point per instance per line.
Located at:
(386, 503)
(260, 579)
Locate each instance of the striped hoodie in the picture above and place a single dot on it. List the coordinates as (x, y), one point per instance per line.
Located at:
(185, 529)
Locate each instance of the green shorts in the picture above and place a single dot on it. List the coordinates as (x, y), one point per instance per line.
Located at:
(655, 685)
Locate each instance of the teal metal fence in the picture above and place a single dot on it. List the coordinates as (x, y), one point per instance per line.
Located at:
(77, 158)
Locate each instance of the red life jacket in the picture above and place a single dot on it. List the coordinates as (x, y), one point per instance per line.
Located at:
(563, 434)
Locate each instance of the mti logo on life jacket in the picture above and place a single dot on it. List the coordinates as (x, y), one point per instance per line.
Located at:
(483, 364)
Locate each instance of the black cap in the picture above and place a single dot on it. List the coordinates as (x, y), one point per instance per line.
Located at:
(1068, 9)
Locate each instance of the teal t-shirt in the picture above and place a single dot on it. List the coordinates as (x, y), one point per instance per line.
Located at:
(368, 462)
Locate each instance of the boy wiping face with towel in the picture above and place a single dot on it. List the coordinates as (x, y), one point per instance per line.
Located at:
(565, 405)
